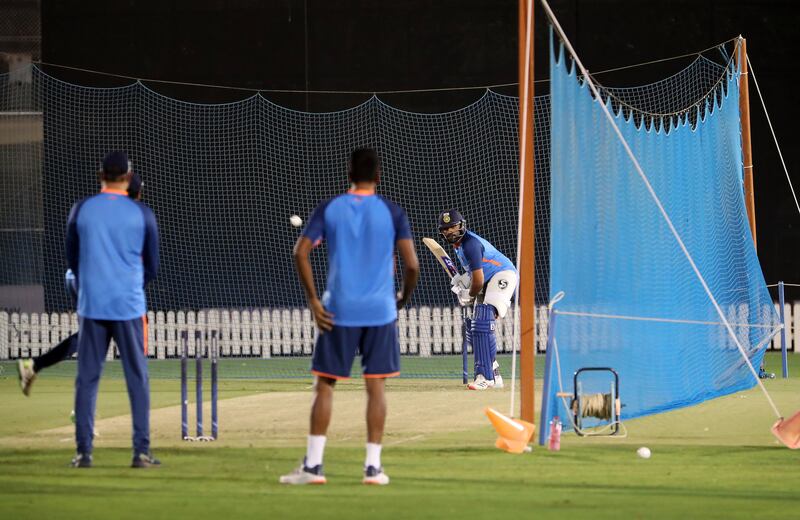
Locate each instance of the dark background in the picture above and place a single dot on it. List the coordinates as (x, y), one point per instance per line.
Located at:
(415, 44)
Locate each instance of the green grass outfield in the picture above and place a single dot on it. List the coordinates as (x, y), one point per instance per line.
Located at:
(289, 367)
(715, 460)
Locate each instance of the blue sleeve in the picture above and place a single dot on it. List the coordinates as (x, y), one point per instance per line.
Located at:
(315, 229)
(402, 229)
(150, 249)
(72, 241)
(473, 252)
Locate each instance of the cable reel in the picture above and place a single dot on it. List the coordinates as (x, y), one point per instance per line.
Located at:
(601, 406)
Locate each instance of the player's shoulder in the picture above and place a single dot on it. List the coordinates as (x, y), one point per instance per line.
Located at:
(326, 203)
(141, 205)
(394, 208)
(76, 207)
(144, 208)
(472, 241)
(472, 237)
(89, 198)
(389, 202)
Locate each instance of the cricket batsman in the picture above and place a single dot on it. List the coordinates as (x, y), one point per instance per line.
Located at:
(489, 280)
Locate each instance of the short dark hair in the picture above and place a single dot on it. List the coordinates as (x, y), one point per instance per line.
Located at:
(115, 166)
(364, 165)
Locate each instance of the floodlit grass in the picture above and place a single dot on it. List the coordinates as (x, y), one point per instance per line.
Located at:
(715, 460)
(289, 367)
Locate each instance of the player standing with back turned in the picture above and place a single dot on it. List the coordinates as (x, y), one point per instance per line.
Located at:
(112, 248)
(358, 311)
(27, 369)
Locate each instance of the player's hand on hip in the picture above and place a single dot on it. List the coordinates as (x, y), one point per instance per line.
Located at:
(323, 318)
(401, 300)
(462, 281)
(464, 297)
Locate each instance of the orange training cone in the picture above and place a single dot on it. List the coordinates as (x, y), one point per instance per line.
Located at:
(788, 431)
(514, 434)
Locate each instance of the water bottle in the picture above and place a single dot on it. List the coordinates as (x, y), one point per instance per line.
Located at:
(555, 435)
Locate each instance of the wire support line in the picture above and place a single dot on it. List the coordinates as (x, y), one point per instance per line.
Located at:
(663, 320)
(363, 92)
(277, 91)
(697, 104)
(774, 137)
(662, 60)
(785, 285)
(657, 201)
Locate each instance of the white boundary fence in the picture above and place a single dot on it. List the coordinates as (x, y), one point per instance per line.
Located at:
(264, 333)
(424, 331)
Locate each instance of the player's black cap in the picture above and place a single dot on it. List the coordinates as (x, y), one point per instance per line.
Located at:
(449, 217)
(116, 163)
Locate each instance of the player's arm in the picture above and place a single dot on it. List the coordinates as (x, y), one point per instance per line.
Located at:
(302, 264)
(404, 242)
(473, 253)
(312, 235)
(408, 254)
(150, 250)
(72, 242)
(477, 282)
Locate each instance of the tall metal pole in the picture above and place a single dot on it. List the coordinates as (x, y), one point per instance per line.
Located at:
(747, 153)
(526, 235)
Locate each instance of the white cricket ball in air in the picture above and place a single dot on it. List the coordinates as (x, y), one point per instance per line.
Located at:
(643, 452)
(296, 221)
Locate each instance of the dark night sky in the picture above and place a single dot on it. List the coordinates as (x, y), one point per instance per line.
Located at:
(372, 46)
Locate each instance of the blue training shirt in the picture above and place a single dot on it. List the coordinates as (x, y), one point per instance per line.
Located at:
(361, 229)
(475, 253)
(112, 248)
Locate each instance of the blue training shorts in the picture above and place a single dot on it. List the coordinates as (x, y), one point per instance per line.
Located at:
(336, 349)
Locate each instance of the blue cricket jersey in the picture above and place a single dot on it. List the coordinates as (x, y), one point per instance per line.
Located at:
(112, 248)
(360, 229)
(475, 253)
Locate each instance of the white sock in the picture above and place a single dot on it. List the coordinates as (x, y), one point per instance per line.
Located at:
(373, 455)
(314, 449)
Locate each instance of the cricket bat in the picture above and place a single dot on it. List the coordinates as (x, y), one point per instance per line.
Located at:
(441, 255)
(447, 263)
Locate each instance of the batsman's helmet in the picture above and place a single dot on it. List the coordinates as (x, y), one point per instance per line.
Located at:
(449, 218)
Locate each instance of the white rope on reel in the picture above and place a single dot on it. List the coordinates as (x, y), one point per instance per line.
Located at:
(594, 432)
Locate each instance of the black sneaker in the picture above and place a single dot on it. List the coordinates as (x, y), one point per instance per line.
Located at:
(145, 460)
(81, 460)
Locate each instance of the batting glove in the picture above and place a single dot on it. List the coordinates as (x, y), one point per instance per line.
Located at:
(464, 298)
(462, 281)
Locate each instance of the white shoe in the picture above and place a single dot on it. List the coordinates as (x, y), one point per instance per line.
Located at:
(480, 383)
(375, 476)
(304, 475)
(498, 379)
(26, 375)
